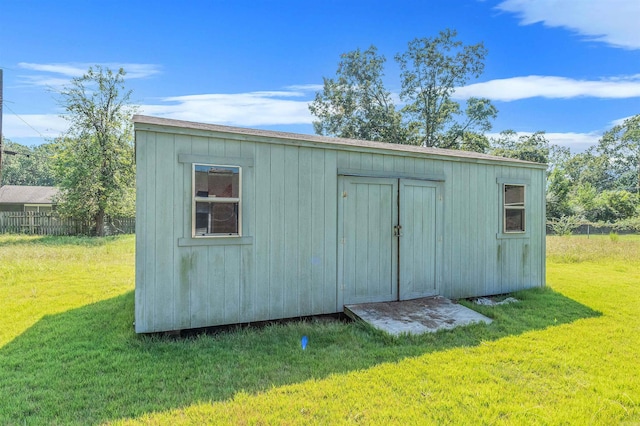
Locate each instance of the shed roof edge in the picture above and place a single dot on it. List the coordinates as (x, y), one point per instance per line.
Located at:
(335, 142)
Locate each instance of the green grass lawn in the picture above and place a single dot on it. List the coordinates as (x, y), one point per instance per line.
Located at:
(569, 353)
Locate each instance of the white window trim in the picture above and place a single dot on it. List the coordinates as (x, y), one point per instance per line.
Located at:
(506, 207)
(195, 199)
(501, 181)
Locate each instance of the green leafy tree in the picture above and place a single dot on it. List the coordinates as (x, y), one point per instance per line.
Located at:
(533, 147)
(24, 165)
(355, 104)
(468, 134)
(584, 201)
(619, 150)
(95, 165)
(431, 69)
(615, 205)
(558, 190)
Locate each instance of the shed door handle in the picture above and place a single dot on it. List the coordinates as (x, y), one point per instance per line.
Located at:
(397, 231)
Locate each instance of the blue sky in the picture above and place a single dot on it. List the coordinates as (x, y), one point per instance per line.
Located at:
(567, 67)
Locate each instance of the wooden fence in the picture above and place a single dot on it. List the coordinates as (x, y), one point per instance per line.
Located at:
(34, 223)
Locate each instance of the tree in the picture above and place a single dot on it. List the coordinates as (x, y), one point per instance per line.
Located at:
(533, 147)
(24, 165)
(95, 164)
(619, 149)
(558, 188)
(469, 134)
(431, 69)
(355, 104)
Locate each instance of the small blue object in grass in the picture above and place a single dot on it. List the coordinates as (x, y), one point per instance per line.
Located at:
(304, 342)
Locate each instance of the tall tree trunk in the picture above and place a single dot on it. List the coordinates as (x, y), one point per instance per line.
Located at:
(99, 219)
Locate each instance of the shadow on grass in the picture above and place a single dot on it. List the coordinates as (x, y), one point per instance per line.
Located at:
(87, 365)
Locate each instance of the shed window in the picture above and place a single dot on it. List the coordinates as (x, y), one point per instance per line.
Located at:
(216, 200)
(514, 208)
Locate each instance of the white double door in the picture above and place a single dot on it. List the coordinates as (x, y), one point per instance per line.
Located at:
(388, 231)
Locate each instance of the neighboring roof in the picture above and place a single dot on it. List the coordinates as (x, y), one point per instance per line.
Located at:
(439, 152)
(18, 194)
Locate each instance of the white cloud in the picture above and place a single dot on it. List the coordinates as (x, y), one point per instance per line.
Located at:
(57, 75)
(33, 126)
(306, 87)
(577, 142)
(573, 140)
(614, 22)
(511, 89)
(262, 108)
(620, 121)
(238, 109)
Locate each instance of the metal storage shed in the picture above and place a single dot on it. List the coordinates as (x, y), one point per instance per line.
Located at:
(241, 225)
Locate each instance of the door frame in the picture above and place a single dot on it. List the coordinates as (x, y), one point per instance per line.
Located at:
(436, 183)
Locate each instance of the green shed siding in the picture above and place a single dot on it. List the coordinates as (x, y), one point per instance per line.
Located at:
(289, 260)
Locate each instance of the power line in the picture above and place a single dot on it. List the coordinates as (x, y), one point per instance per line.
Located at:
(24, 121)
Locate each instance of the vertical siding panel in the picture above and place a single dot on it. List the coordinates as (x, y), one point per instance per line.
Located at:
(248, 295)
(377, 162)
(263, 219)
(486, 222)
(340, 255)
(317, 229)
(398, 164)
(457, 229)
(304, 230)
(183, 256)
(366, 160)
(409, 165)
(232, 284)
(145, 247)
(449, 225)
(216, 285)
(476, 272)
(410, 218)
(276, 234)
(291, 234)
(201, 292)
(388, 163)
(360, 240)
(419, 166)
(342, 160)
(371, 265)
(216, 289)
(232, 148)
(331, 233)
(495, 221)
(167, 291)
(235, 293)
(216, 147)
(355, 160)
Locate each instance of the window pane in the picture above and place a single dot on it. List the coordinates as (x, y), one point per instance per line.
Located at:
(217, 181)
(216, 218)
(514, 195)
(514, 220)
